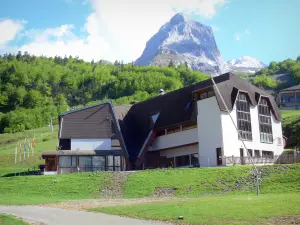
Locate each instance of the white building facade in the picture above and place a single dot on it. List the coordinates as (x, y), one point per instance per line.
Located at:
(221, 134)
(213, 140)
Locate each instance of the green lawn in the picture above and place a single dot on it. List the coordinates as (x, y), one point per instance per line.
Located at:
(47, 189)
(10, 220)
(290, 113)
(202, 181)
(247, 209)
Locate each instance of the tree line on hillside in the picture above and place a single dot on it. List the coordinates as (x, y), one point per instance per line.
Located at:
(34, 89)
(263, 77)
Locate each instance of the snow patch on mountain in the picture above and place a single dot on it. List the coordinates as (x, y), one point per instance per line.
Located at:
(245, 64)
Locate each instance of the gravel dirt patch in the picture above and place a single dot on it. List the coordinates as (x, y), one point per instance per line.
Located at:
(114, 185)
(287, 220)
(96, 203)
(164, 191)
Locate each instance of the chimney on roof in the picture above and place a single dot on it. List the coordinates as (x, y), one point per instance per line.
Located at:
(161, 92)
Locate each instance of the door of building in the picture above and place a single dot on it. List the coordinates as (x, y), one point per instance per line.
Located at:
(242, 156)
(51, 164)
(219, 157)
(170, 162)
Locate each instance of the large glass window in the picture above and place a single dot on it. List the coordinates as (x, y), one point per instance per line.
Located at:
(243, 117)
(85, 161)
(183, 160)
(98, 163)
(267, 154)
(257, 153)
(91, 163)
(67, 161)
(113, 163)
(195, 159)
(265, 121)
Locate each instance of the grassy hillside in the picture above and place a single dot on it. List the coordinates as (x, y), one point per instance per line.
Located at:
(45, 141)
(207, 181)
(46, 189)
(291, 127)
(197, 182)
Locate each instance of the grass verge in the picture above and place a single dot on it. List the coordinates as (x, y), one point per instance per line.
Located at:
(47, 189)
(197, 182)
(247, 209)
(10, 220)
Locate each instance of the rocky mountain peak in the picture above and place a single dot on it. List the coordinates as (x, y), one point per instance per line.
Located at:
(180, 18)
(183, 40)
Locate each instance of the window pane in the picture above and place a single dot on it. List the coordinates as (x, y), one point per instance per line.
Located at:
(117, 160)
(203, 95)
(99, 162)
(182, 160)
(74, 161)
(250, 151)
(210, 94)
(110, 168)
(267, 154)
(110, 160)
(265, 122)
(195, 159)
(257, 153)
(65, 161)
(243, 117)
(85, 161)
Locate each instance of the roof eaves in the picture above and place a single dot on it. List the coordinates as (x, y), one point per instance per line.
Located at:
(86, 107)
(118, 126)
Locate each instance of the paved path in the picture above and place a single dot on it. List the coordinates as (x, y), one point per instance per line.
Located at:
(55, 216)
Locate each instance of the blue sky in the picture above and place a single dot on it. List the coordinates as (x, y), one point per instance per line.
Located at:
(114, 29)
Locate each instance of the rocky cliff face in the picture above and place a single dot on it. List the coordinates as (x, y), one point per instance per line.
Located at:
(183, 40)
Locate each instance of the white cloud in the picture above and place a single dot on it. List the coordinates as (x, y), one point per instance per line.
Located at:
(238, 37)
(116, 30)
(247, 31)
(215, 28)
(62, 41)
(9, 30)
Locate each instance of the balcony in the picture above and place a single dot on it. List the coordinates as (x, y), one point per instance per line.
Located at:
(171, 140)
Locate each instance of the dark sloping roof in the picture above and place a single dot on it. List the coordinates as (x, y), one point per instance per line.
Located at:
(89, 122)
(294, 88)
(89, 152)
(173, 108)
(121, 111)
(96, 121)
(229, 89)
